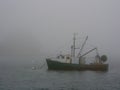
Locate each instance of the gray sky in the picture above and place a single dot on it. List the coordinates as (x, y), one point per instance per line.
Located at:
(46, 27)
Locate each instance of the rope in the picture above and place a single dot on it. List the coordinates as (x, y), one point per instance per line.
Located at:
(37, 67)
(42, 65)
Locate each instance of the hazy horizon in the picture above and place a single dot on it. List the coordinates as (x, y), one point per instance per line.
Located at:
(45, 27)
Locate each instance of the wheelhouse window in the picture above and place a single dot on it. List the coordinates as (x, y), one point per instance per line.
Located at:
(67, 57)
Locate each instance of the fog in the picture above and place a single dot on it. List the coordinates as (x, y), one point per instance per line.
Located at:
(45, 27)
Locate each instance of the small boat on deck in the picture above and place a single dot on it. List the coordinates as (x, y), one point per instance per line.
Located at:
(65, 62)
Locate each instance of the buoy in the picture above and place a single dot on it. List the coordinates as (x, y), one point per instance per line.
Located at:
(33, 68)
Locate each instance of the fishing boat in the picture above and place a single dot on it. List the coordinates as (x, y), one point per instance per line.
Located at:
(65, 62)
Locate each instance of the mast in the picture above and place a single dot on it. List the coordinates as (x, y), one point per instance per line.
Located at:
(74, 38)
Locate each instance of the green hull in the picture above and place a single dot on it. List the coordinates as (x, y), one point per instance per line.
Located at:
(56, 65)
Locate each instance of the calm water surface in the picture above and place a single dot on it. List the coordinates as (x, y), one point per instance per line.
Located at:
(22, 77)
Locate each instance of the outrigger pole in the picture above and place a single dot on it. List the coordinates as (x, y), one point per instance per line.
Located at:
(88, 52)
(79, 54)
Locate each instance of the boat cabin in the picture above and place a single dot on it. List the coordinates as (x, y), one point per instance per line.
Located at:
(64, 58)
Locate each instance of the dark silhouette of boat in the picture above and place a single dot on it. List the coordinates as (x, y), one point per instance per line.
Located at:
(65, 62)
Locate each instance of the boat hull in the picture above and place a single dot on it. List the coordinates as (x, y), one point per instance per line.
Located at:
(56, 65)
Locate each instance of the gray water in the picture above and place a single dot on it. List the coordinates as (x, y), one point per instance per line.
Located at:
(18, 76)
